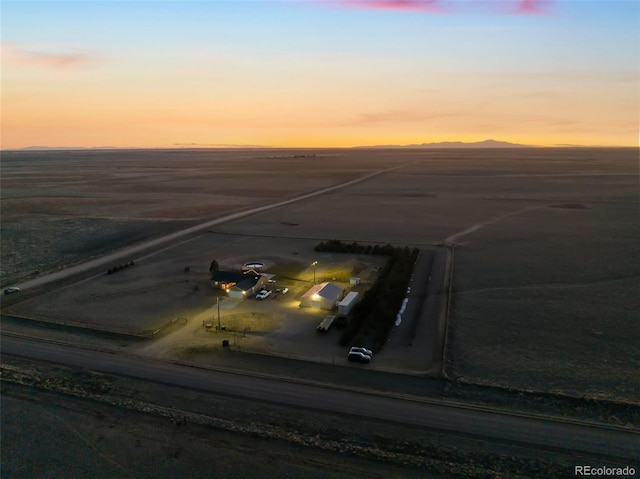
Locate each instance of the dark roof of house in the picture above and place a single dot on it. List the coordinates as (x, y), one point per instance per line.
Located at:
(247, 283)
(228, 276)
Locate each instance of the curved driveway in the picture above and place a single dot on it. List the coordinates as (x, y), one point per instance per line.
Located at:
(511, 428)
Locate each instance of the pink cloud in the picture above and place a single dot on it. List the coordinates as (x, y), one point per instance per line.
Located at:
(522, 7)
(47, 57)
(429, 6)
(419, 5)
(529, 6)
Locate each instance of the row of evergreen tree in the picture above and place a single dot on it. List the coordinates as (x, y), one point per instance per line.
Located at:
(377, 311)
(337, 246)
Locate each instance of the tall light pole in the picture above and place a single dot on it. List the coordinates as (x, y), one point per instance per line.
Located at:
(314, 271)
(218, 303)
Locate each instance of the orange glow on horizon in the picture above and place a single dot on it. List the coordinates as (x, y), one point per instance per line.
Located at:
(224, 78)
(326, 144)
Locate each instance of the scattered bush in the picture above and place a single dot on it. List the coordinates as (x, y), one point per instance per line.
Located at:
(115, 269)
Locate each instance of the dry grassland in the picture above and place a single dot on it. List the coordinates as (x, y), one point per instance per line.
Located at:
(60, 207)
(546, 271)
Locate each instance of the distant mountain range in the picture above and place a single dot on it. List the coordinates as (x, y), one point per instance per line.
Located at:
(439, 145)
(456, 144)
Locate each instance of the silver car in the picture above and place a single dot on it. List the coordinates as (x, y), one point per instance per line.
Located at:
(356, 357)
(364, 351)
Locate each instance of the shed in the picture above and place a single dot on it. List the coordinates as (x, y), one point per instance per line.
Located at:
(323, 296)
(347, 304)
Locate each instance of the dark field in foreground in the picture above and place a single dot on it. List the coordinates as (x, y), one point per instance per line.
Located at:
(545, 275)
(120, 427)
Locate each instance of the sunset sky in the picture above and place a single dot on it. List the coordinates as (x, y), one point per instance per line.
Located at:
(319, 73)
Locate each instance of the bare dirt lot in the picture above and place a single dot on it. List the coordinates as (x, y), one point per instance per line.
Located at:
(545, 273)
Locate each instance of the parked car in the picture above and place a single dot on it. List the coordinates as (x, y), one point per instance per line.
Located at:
(11, 290)
(285, 290)
(355, 357)
(263, 294)
(365, 351)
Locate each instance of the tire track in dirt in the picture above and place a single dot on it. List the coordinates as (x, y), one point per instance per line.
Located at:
(453, 238)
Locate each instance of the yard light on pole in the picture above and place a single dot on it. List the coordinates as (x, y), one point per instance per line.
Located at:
(314, 271)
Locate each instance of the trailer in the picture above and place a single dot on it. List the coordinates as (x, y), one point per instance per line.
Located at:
(348, 303)
(326, 323)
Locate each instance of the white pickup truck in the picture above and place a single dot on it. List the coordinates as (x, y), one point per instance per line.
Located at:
(263, 294)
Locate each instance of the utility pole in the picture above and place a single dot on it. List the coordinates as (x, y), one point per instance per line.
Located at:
(218, 303)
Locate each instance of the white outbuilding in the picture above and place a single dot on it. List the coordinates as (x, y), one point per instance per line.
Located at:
(348, 303)
(323, 296)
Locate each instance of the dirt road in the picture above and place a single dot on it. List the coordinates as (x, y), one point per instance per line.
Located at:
(455, 237)
(132, 251)
(423, 322)
(537, 432)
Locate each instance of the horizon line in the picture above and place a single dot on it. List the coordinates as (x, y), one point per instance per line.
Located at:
(449, 144)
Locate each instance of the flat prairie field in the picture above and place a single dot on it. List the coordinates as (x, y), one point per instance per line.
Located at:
(546, 266)
(60, 207)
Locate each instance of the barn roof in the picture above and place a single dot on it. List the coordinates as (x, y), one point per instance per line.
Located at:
(325, 290)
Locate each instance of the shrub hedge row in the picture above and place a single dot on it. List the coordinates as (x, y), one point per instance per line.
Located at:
(115, 269)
